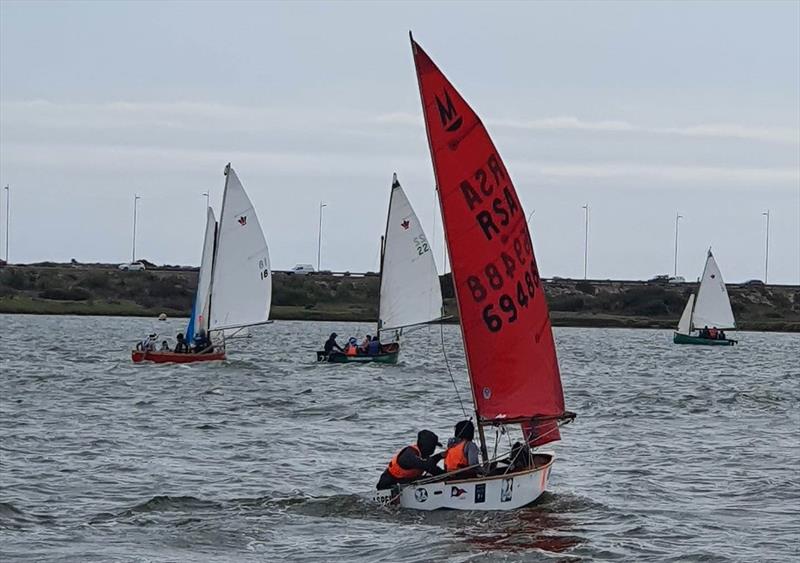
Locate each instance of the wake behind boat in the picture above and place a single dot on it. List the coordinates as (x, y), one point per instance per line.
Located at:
(710, 314)
(234, 285)
(410, 294)
(511, 356)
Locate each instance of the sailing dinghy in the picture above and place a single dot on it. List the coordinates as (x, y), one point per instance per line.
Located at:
(711, 309)
(505, 324)
(410, 294)
(234, 285)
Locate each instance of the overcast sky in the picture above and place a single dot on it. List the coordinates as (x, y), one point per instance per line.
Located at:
(640, 110)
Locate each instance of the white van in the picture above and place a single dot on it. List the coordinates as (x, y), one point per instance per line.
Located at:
(302, 269)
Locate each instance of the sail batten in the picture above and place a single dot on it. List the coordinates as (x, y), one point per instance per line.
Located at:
(242, 277)
(713, 306)
(505, 323)
(410, 292)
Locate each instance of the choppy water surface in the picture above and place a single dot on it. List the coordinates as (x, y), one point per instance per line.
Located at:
(679, 452)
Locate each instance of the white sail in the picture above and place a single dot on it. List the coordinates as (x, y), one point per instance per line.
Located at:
(685, 324)
(410, 290)
(713, 307)
(241, 288)
(204, 277)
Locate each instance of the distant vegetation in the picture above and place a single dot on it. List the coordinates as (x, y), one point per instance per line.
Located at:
(105, 290)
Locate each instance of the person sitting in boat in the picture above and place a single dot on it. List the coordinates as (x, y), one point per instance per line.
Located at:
(712, 333)
(374, 347)
(164, 346)
(412, 462)
(704, 332)
(181, 347)
(202, 343)
(351, 348)
(721, 335)
(462, 451)
(331, 345)
(364, 347)
(149, 344)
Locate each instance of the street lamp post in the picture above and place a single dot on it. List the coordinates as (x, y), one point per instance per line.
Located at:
(8, 217)
(319, 239)
(678, 217)
(136, 199)
(586, 243)
(766, 249)
(208, 201)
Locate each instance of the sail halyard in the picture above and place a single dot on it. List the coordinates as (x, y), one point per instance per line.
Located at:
(490, 261)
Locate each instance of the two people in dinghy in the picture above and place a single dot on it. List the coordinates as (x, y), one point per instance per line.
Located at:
(412, 462)
(712, 333)
(461, 458)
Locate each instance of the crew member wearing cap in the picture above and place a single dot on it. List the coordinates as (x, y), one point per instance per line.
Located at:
(411, 462)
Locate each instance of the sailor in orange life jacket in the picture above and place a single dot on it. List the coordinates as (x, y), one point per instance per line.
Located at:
(411, 462)
(462, 451)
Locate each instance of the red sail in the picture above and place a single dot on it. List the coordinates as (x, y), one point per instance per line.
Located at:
(511, 355)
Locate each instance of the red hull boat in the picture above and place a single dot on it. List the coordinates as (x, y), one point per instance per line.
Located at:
(174, 358)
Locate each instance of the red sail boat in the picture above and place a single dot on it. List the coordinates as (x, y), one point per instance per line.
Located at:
(505, 323)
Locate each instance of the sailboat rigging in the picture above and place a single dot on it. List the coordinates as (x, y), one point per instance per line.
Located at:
(234, 286)
(505, 324)
(410, 290)
(709, 313)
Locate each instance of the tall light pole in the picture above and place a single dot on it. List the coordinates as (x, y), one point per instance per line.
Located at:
(586, 243)
(766, 249)
(208, 200)
(136, 199)
(8, 217)
(678, 217)
(319, 239)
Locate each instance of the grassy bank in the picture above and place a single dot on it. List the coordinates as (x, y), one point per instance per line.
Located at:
(104, 290)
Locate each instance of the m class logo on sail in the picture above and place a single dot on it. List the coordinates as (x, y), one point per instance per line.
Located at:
(451, 121)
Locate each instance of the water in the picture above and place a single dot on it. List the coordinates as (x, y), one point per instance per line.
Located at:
(678, 452)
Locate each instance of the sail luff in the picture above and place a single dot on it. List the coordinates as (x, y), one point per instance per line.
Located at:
(506, 330)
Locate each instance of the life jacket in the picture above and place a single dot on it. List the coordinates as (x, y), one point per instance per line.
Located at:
(456, 456)
(351, 350)
(401, 473)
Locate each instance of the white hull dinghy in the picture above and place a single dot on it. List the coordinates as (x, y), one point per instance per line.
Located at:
(507, 491)
(505, 323)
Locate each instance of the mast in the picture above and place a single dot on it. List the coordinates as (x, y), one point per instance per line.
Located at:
(383, 249)
(479, 424)
(216, 235)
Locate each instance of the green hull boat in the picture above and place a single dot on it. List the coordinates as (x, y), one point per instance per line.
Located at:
(388, 355)
(679, 338)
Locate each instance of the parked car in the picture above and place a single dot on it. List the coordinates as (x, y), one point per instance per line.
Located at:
(677, 279)
(302, 269)
(132, 267)
(754, 282)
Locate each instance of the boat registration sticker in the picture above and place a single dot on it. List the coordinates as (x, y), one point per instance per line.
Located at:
(507, 490)
(480, 493)
(421, 495)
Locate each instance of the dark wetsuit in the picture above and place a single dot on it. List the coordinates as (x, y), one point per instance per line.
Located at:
(331, 344)
(408, 459)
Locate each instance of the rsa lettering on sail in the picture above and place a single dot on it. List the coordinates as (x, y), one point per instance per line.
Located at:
(494, 206)
(506, 287)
